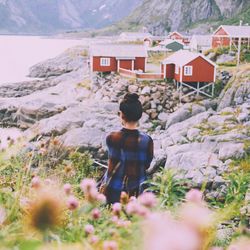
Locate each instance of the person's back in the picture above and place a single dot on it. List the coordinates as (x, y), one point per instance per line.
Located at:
(130, 152)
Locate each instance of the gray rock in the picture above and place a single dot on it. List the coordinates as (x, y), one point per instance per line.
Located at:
(225, 58)
(133, 88)
(68, 61)
(146, 90)
(163, 117)
(26, 110)
(83, 138)
(231, 150)
(193, 134)
(184, 126)
(219, 119)
(184, 112)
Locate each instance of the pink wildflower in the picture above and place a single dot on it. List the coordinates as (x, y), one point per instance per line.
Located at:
(196, 215)
(162, 232)
(96, 214)
(89, 229)
(242, 243)
(87, 185)
(67, 189)
(2, 215)
(101, 198)
(132, 198)
(114, 219)
(123, 223)
(132, 207)
(194, 195)
(110, 245)
(72, 203)
(117, 208)
(93, 239)
(36, 182)
(48, 182)
(147, 199)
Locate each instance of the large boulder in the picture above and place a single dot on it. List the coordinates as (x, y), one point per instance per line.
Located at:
(71, 60)
(236, 92)
(231, 150)
(38, 105)
(186, 111)
(225, 58)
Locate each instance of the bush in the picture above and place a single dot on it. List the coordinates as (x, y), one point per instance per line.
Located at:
(168, 187)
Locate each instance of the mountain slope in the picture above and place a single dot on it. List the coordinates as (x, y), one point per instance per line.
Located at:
(165, 15)
(47, 16)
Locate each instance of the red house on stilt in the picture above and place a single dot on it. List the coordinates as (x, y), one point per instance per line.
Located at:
(190, 69)
(228, 35)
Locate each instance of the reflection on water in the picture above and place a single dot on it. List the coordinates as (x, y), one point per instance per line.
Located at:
(8, 134)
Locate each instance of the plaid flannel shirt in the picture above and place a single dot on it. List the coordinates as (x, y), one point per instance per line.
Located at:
(130, 155)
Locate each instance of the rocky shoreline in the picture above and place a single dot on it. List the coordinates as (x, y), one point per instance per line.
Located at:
(200, 137)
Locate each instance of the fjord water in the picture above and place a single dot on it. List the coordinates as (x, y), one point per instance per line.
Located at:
(18, 53)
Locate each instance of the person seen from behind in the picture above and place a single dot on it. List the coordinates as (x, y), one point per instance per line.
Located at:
(130, 152)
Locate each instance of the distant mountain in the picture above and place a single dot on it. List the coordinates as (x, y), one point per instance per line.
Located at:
(161, 16)
(50, 16)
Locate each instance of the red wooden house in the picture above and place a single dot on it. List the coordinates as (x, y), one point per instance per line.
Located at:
(112, 57)
(179, 37)
(190, 69)
(186, 66)
(228, 35)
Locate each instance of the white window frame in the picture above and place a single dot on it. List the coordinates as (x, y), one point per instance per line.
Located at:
(105, 61)
(188, 70)
(176, 70)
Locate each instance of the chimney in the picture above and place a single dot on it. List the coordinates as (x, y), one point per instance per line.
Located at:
(241, 22)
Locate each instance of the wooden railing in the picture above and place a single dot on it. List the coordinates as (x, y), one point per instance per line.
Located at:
(140, 76)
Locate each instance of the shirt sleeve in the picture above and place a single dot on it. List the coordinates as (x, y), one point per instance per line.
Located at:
(114, 153)
(150, 152)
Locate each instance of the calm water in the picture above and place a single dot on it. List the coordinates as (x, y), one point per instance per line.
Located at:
(18, 53)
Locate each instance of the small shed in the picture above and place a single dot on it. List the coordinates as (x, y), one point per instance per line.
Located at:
(172, 45)
(112, 57)
(228, 35)
(190, 69)
(200, 43)
(175, 35)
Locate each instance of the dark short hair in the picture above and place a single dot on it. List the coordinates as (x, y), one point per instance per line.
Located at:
(131, 107)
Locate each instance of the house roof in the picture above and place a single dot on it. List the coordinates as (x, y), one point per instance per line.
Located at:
(183, 57)
(169, 41)
(236, 31)
(117, 50)
(202, 40)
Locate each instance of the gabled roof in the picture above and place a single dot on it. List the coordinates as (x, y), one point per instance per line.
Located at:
(202, 40)
(183, 57)
(171, 33)
(236, 31)
(117, 50)
(169, 41)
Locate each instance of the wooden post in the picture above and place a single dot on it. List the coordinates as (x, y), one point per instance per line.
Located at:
(198, 89)
(213, 90)
(180, 90)
(230, 44)
(239, 49)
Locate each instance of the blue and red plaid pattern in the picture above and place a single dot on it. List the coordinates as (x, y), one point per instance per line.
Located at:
(133, 150)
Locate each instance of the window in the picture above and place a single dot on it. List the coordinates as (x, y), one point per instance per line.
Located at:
(188, 70)
(176, 69)
(105, 61)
